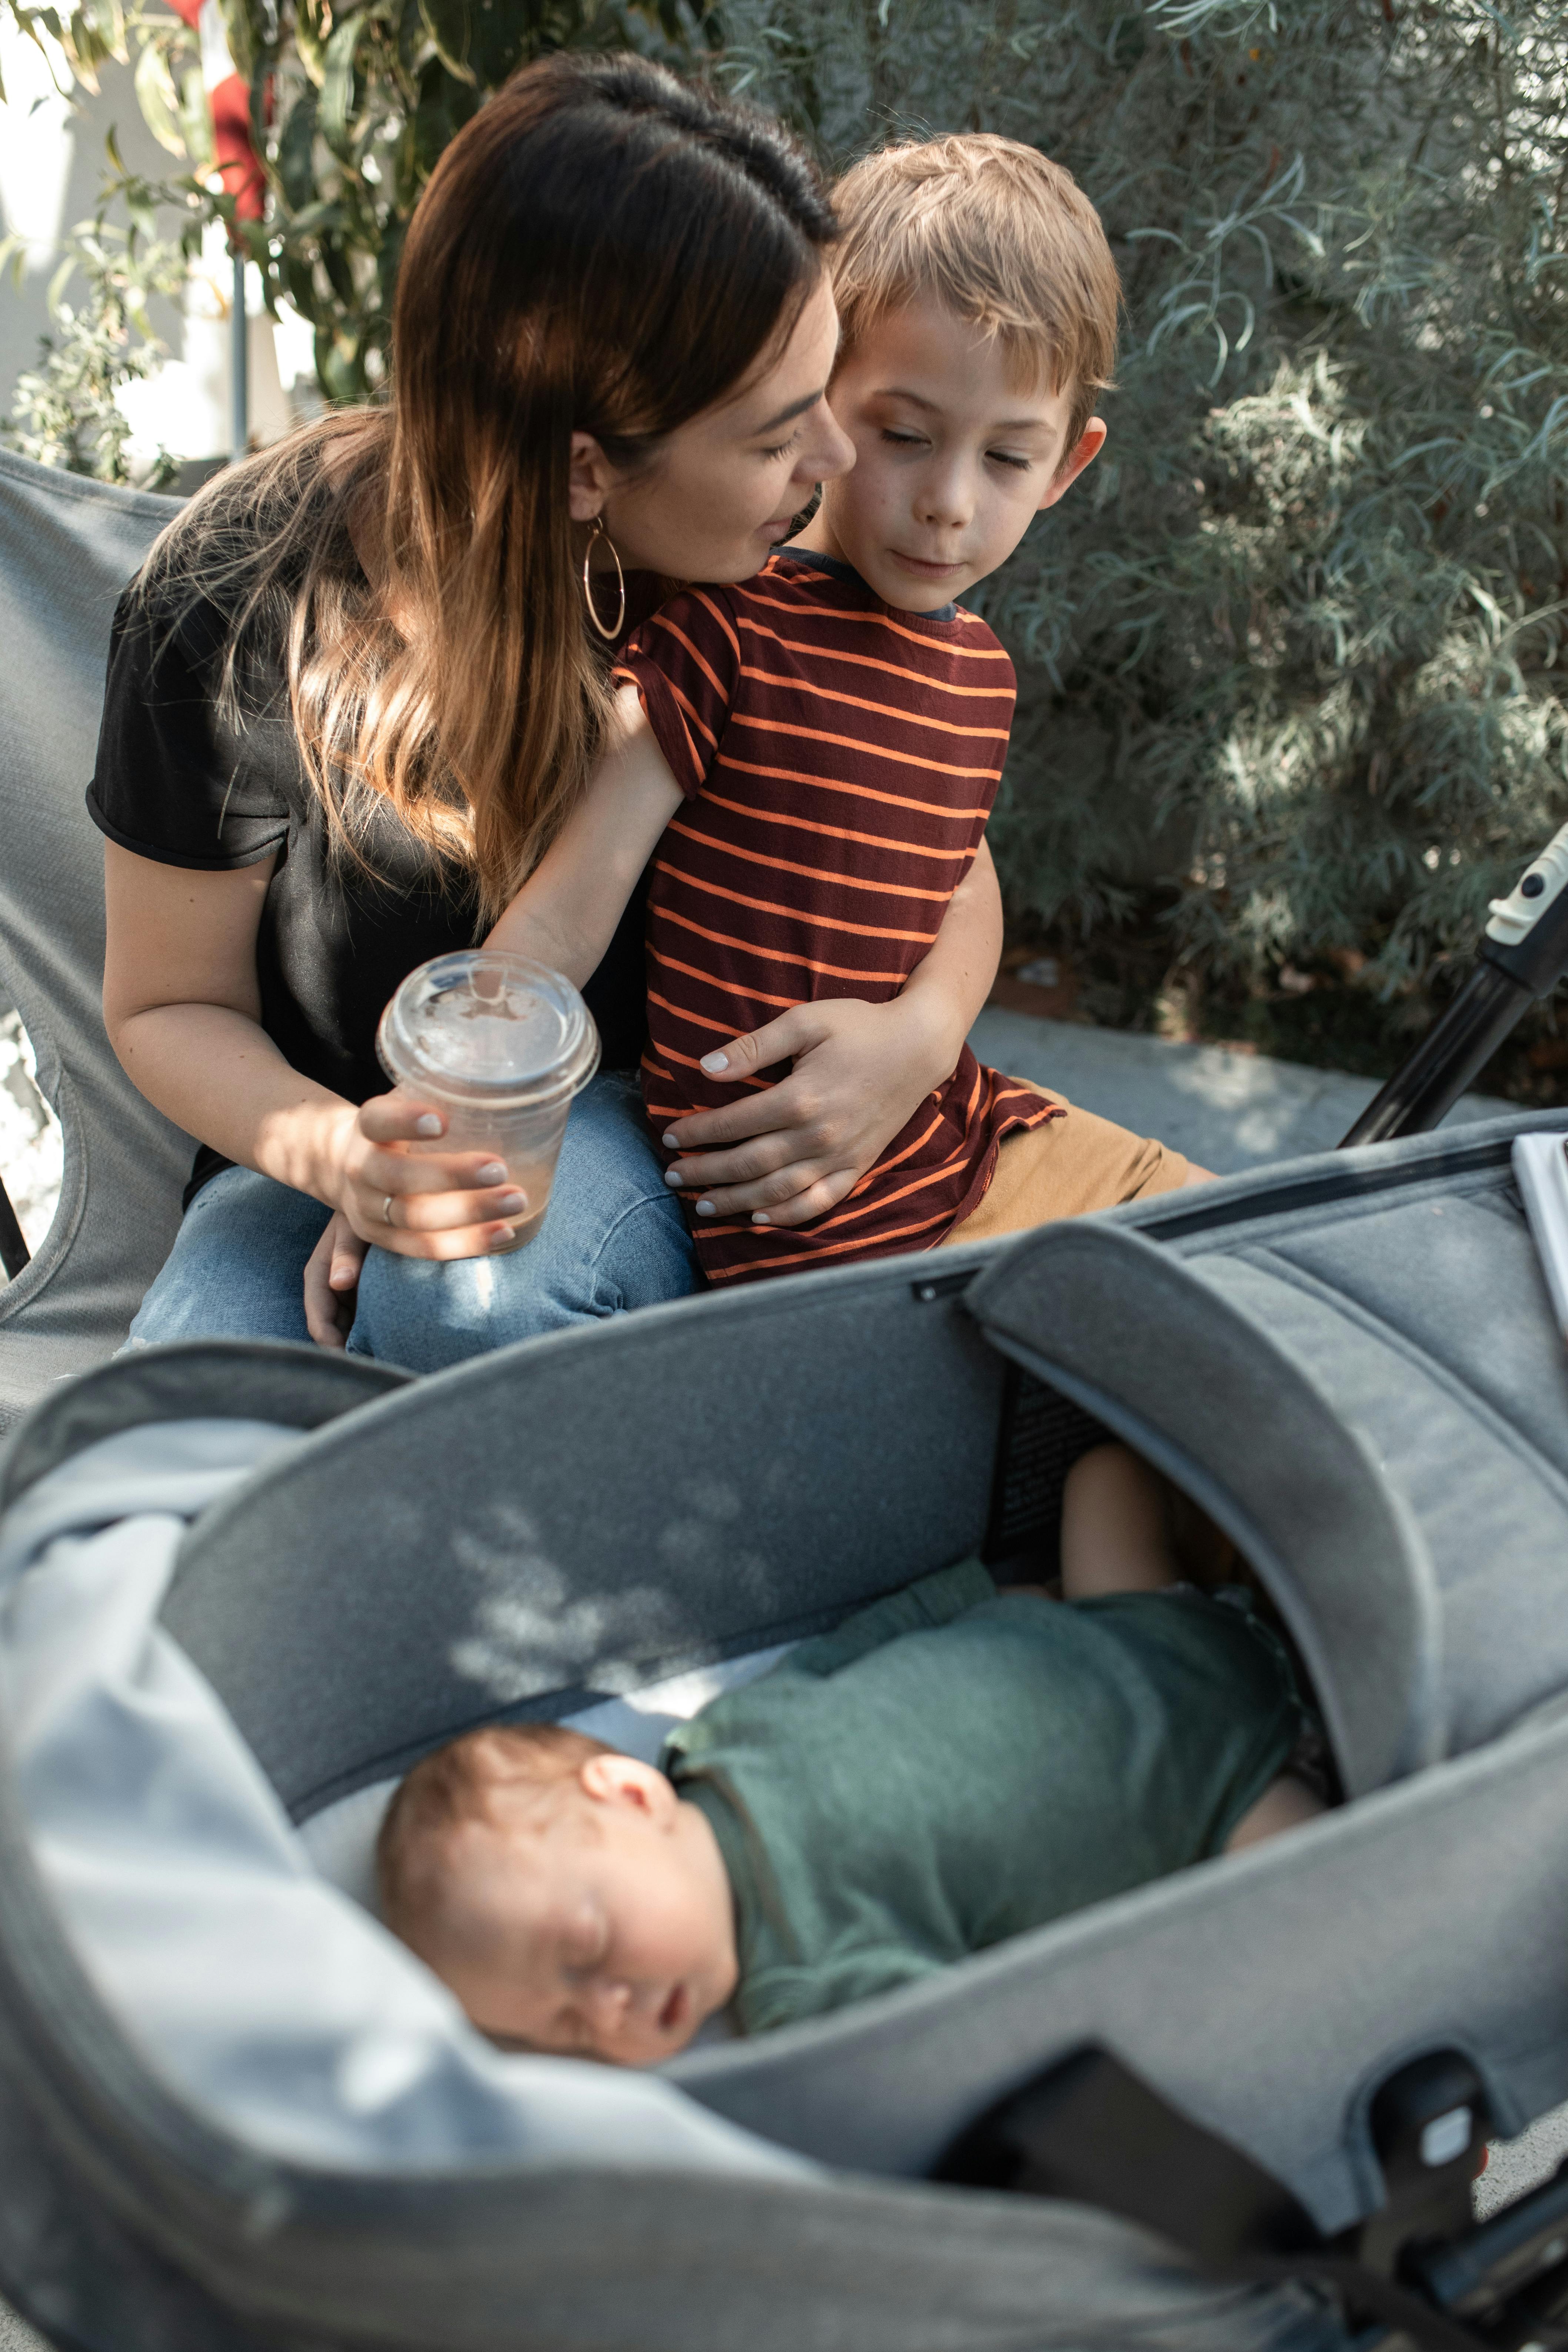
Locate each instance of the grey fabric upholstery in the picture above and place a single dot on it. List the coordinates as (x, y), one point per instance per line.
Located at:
(137, 2216)
(66, 548)
(1351, 1360)
(567, 1517)
(238, 1380)
(584, 1513)
(1403, 1280)
(1105, 1315)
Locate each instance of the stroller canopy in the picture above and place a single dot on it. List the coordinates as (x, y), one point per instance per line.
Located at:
(246, 1587)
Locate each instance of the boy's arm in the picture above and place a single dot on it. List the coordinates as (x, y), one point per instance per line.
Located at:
(565, 913)
(860, 1073)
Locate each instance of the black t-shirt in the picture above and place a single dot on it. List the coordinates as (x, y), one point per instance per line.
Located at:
(178, 783)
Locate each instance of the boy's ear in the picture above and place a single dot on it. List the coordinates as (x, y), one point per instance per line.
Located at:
(1084, 452)
(590, 478)
(616, 1780)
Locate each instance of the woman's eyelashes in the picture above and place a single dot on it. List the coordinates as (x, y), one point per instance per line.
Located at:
(784, 449)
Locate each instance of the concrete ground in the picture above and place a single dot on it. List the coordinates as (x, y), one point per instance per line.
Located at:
(1228, 1111)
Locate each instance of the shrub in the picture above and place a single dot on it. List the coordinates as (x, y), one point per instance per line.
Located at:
(1293, 648)
(354, 103)
(1290, 655)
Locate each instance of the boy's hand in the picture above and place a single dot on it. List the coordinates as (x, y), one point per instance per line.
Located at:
(861, 1071)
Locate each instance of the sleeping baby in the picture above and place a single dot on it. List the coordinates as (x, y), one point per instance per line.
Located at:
(953, 1765)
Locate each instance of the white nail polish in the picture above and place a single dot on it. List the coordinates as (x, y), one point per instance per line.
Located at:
(427, 1125)
(715, 1061)
(706, 1208)
(493, 1172)
(671, 1178)
(670, 1142)
(761, 1217)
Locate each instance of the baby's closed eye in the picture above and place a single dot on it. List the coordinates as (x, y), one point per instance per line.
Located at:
(585, 1942)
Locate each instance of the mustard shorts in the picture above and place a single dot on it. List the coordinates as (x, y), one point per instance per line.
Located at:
(1065, 1168)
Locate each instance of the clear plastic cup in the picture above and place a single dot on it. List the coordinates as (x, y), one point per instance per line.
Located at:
(499, 1045)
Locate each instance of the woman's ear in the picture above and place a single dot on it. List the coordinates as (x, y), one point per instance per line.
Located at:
(612, 1779)
(590, 478)
(1084, 451)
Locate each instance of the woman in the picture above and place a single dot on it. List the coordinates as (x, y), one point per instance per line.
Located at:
(360, 680)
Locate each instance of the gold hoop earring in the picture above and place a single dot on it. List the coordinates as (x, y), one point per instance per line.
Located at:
(609, 636)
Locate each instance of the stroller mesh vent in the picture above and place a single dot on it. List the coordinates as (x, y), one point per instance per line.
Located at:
(1042, 1435)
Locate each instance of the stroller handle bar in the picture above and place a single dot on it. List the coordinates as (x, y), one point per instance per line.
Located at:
(1523, 955)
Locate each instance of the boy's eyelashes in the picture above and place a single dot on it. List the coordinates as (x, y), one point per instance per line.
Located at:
(902, 440)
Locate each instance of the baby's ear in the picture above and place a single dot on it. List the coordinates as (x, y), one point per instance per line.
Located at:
(612, 1779)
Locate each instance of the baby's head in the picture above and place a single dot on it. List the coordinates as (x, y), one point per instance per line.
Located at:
(978, 303)
(571, 1900)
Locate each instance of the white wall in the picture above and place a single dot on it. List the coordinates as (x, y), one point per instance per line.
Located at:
(52, 163)
(51, 166)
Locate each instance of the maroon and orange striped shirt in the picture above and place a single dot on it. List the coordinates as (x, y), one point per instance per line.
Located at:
(839, 759)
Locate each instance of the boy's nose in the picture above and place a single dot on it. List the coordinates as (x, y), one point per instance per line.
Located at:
(946, 499)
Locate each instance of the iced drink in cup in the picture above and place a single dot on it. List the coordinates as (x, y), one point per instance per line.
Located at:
(499, 1046)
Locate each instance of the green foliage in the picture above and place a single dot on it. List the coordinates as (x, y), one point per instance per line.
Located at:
(363, 99)
(1291, 650)
(357, 100)
(1294, 646)
(65, 412)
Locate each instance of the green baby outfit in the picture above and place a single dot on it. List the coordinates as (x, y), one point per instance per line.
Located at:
(954, 1765)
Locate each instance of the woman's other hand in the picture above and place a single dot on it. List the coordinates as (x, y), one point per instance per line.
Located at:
(331, 1283)
(795, 1151)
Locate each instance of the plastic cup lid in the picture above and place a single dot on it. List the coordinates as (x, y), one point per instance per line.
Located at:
(483, 1026)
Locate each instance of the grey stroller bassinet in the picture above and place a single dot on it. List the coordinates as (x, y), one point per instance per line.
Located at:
(243, 1586)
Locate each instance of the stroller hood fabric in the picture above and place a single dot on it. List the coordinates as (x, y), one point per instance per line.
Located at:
(246, 2118)
(189, 1899)
(233, 2113)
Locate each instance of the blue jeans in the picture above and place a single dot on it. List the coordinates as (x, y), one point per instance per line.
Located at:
(612, 1238)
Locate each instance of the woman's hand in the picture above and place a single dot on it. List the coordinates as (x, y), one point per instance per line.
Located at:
(861, 1071)
(416, 1204)
(425, 1204)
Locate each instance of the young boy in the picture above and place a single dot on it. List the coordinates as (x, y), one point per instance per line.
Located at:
(817, 750)
(951, 1766)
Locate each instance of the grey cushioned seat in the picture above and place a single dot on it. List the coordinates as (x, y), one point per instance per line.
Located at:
(67, 549)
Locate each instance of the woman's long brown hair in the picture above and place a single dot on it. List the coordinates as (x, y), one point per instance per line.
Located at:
(602, 249)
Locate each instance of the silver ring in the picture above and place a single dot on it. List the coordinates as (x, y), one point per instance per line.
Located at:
(386, 1210)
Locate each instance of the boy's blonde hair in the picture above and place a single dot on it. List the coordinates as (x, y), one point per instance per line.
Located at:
(1003, 236)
